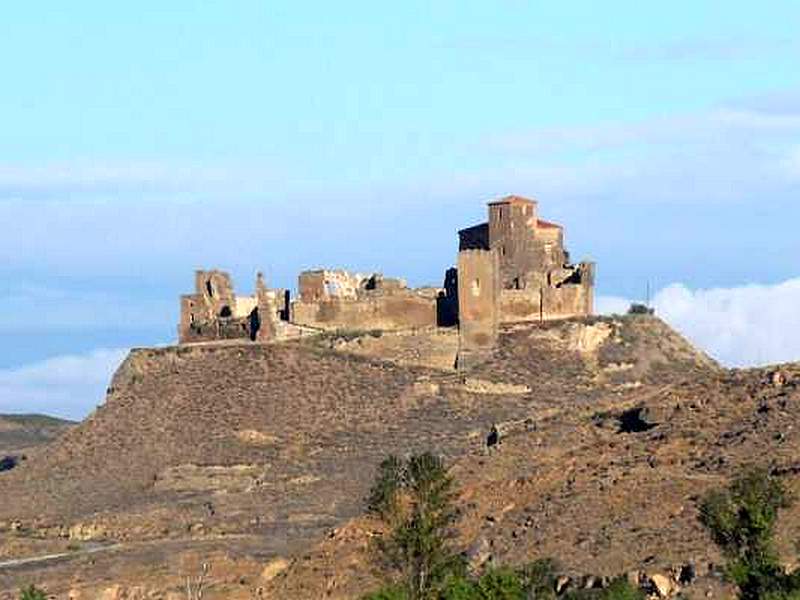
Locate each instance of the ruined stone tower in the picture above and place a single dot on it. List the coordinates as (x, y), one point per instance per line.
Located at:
(478, 295)
(215, 312)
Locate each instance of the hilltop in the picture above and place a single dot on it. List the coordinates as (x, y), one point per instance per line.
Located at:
(242, 454)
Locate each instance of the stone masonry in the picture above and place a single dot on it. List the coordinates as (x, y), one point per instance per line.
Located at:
(537, 280)
(215, 312)
(514, 267)
(342, 300)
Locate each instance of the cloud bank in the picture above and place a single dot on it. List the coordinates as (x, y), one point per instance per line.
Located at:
(744, 326)
(81, 178)
(67, 386)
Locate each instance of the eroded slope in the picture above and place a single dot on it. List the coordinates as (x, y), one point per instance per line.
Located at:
(263, 449)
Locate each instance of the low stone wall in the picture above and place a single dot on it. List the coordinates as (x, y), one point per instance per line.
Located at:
(221, 329)
(387, 312)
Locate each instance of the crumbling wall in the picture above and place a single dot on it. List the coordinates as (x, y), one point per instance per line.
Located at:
(215, 312)
(478, 304)
(215, 293)
(337, 299)
(390, 312)
(322, 284)
(565, 293)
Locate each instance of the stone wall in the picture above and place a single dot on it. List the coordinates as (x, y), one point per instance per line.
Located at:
(321, 284)
(547, 302)
(512, 234)
(338, 299)
(474, 238)
(389, 311)
(215, 312)
(478, 304)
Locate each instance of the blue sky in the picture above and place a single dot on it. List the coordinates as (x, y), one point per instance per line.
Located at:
(140, 141)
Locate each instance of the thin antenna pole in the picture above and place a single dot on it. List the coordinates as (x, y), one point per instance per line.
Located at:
(648, 294)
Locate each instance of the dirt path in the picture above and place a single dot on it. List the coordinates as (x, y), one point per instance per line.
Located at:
(32, 560)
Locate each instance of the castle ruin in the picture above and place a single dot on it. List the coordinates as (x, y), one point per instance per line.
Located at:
(215, 312)
(514, 267)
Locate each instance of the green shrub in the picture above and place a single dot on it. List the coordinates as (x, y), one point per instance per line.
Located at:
(415, 499)
(640, 309)
(501, 584)
(391, 592)
(618, 589)
(741, 520)
(458, 587)
(621, 589)
(32, 593)
(384, 496)
(540, 579)
(782, 595)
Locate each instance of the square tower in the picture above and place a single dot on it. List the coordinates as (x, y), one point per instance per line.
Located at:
(478, 305)
(512, 234)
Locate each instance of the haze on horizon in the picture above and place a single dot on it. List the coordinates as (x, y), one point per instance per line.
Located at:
(143, 141)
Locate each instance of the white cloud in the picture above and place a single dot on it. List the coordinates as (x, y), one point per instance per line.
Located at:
(743, 326)
(82, 178)
(67, 386)
(740, 151)
(716, 127)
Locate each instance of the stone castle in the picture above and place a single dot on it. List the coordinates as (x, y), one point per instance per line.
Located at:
(512, 268)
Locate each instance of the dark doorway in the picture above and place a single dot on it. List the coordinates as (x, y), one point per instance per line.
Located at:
(447, 300)
(255, 324)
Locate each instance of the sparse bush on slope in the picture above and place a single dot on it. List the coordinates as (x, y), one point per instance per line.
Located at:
(619, 589)
(414, 498)
(32, 593)
(741, 520)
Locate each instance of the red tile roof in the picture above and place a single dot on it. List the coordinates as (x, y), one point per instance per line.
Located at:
(547, 225)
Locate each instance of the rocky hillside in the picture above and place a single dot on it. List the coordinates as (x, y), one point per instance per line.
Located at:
(251, 455)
